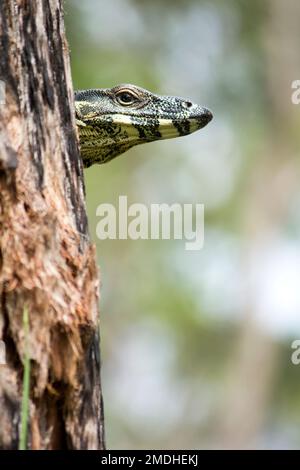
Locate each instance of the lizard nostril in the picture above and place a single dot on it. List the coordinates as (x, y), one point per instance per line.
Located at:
(187, 104)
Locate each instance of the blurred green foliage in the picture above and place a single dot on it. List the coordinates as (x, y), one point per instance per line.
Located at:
(174, 323)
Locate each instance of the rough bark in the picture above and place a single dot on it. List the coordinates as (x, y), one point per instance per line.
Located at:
(47, 263)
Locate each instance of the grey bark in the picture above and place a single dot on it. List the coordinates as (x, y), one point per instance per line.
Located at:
(47, 262)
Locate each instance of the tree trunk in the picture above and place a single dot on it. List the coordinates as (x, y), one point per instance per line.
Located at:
(47, 262)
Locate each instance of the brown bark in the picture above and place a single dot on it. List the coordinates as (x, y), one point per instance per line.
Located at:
(47, 262)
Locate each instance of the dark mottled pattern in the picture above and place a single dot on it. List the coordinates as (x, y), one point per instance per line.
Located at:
(53, 27)
(6, 72)
(112, 120)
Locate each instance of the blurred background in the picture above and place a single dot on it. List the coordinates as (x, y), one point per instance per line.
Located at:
(196, 346)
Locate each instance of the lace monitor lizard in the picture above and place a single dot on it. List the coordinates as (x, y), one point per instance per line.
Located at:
(112, 120)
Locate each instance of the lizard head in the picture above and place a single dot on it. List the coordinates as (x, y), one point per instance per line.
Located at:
(112, 120)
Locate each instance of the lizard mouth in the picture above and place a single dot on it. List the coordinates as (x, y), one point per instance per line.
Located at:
(176, 127)
(155, 128)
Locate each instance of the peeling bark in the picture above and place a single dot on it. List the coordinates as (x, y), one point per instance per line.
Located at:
(47, 261)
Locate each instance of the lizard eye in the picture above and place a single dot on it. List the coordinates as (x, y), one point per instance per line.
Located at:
(125, 98)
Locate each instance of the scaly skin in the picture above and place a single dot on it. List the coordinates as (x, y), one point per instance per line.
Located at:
(112, 120)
